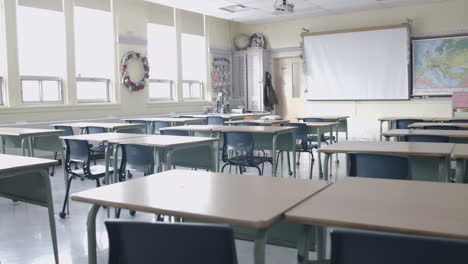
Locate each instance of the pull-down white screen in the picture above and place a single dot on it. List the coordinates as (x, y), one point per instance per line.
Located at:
(362, 65)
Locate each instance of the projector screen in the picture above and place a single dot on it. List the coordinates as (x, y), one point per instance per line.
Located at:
(371, 64)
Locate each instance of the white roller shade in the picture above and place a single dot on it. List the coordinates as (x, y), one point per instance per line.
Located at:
(55, 5)
(191, 23)
(159, 14)
(103, 5)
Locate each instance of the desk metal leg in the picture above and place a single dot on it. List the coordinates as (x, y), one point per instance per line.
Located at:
(460, 173)
(294, 156)
(23, 146)
(444, 169)
(381, 129)
(273, 156)
(92, 256)
(169, 155)
(326, 166)
(259, 247)
(3, 145)
(50, 207)
(303, 245)
(319, 140)
(321, 242)
(30, 147)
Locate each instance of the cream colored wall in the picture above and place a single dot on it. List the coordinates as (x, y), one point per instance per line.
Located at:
(129, 15)
(444, 16)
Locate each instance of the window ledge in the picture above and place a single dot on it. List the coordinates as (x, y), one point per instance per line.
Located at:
(58, 107)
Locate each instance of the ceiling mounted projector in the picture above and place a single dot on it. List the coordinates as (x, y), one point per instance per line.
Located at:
(284, 7)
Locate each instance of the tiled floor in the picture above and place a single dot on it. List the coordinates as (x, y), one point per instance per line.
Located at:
(25, 236)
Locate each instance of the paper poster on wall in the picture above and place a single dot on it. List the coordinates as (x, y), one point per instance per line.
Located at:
(440, 65)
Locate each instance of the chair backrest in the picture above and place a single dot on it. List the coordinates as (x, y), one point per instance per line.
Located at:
(95, 130)
(138, 157)
(240, 143)
(77, 150)
(300, 133)
(404, 123)
(172, 132)
(247, 124)
(160, 124)
(175, 243)
(141, 129)
(215, 120)
(374, 165)
(353, 246)
(442, 127)
(314, 119)
(459, 121)
(67, 131)
(427, 138)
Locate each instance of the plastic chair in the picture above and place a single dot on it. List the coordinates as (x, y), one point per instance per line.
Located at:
(175, 243)
(238, 150)
(247, 124)
(383, 166)
(427, 138)
(215, 120)
(300, 134)
(459, 121)
(159, 124)
(136, 157)
(170, 132)
(141, 129)
(363, 247)
(79, 151)
(99, 149)
(442, 127)
(67, 131)
(404, 123)
(324, 138)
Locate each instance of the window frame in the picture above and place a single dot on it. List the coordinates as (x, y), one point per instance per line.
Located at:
(1, 90)
(162, 99)
(41, 79)
(94, 79)
(191, 82)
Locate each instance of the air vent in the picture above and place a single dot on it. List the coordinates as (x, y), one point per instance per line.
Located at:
(235, 8)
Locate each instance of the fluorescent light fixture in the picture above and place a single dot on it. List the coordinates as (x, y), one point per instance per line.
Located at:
(235, 8)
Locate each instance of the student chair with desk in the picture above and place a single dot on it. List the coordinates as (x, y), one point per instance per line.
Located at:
(175, 243)
(67, 131)
(365, 247)
(100, 148)
(141, 130)
(323, 138)
(79, 151)
(375, 165)
(238, 150)
(157, 125)
(215, 120)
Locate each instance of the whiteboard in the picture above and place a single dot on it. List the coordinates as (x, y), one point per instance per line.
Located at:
(359, 65)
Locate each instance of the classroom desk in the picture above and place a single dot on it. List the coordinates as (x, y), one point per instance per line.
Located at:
(192, 152)
(238, 200)
(27, 179)
(460, 155)
(265, 122)
(447, 119)
(342, 120)
(172, 120)
(229, 116)
(103, 138)
(265, 137)
(408, 207)
(423, 156)
(391, 122)
(111, 127)
(423, 124)
(23, 137)
(456, 136)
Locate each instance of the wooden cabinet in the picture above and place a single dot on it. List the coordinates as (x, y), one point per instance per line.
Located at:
(249, 69)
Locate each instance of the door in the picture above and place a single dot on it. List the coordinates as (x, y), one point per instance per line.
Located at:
(289, 85)
(254, 81)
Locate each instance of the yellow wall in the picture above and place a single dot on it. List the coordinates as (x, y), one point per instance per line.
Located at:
(129, 15)
(444, 16)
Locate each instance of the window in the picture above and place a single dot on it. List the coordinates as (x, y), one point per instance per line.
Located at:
(193, 65)
(162, 58)
(93, 54)
(41, 51)
(2, 53)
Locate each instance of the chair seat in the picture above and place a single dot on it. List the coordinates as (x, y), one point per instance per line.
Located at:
(99, 148)
(242, 160)
(97, 171)
(324, 138)
(300, 147)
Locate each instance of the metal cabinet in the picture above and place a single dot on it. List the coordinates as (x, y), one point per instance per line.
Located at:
(249, 69)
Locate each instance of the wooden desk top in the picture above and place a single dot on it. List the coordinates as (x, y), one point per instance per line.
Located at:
(103, 137)
(429, 132)
(258, 121)
(240, 200)
(322, 124)
(460, 151)
(324, 117)
(162, 140)
(423, 124)
(393, 118)
(410, 207)
(399, 148)
(98, 124)
(12, 163)
(18, 131)
(165, 119)
(227, 116)
(251, 129)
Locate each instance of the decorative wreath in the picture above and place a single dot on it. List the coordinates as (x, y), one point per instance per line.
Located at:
(125, 76)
